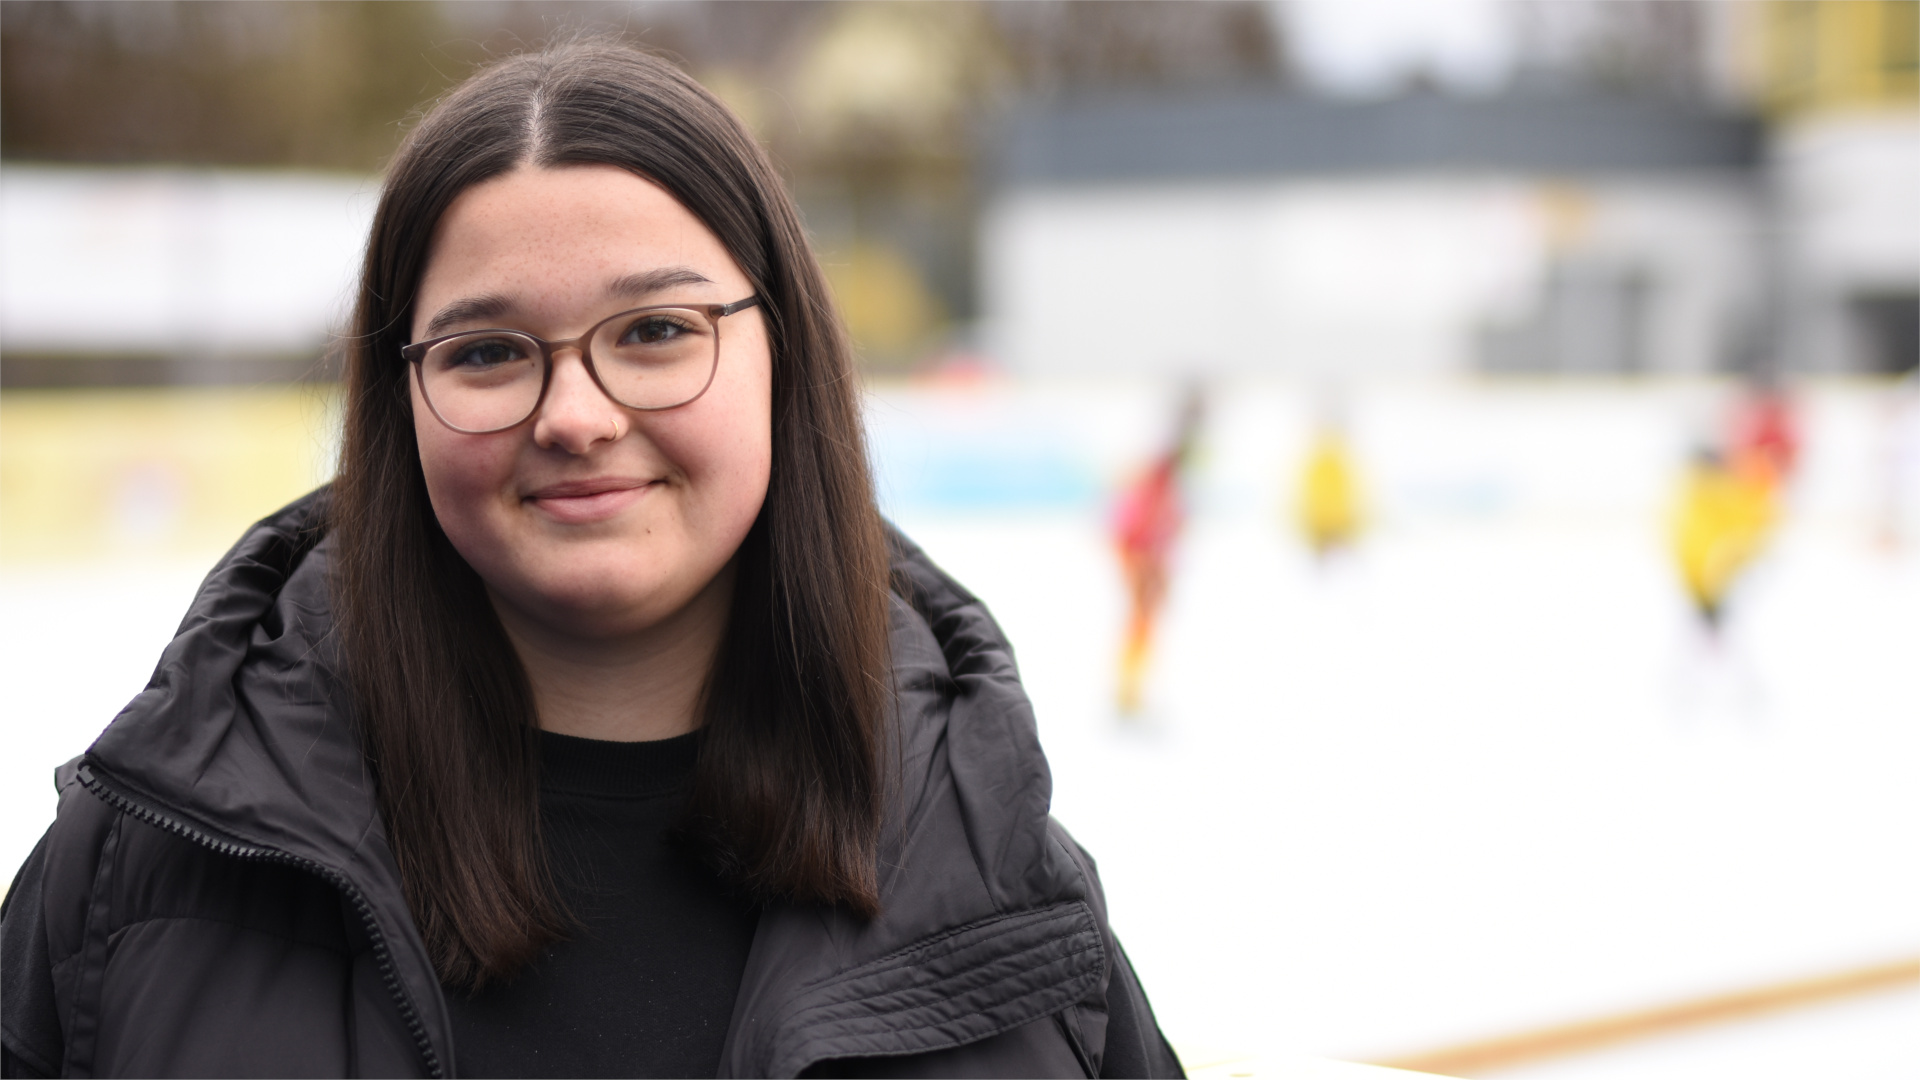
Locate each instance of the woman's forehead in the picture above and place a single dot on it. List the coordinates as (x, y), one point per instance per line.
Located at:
(541, 238)
(596, 213)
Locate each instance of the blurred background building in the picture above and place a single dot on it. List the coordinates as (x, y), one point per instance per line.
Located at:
(1565, 231)
(1620, 187)
(1477, 775)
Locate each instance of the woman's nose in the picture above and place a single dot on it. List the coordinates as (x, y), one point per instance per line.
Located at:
(576, 413)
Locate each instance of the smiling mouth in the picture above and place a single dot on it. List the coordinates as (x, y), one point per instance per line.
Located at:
(584, 501)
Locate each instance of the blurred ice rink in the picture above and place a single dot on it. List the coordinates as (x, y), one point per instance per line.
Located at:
(1481, 776)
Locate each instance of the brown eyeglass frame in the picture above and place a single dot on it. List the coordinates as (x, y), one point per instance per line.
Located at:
(416, 353)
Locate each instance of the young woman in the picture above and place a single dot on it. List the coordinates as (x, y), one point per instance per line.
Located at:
(592, 722)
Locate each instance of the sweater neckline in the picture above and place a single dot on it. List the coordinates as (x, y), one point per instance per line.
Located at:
(571, 764)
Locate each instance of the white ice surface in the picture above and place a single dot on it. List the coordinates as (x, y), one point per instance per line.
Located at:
(1468, 784)
(77, 642)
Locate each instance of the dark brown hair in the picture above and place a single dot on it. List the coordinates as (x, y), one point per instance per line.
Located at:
(786, 797)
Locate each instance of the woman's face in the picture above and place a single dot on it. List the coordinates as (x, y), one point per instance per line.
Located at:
(591, 519)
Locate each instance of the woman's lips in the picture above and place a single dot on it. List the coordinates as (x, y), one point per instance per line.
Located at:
(587, 501)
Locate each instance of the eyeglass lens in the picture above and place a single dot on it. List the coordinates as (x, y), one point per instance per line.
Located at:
(651, 359)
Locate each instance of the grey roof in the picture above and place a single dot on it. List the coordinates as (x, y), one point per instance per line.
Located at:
(1260, 134)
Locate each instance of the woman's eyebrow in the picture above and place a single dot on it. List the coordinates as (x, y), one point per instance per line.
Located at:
(642, 285)
(468, 309)
(631, 287)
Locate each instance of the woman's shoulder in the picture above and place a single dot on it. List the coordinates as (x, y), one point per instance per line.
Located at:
(956, 683)
(992, 921)
(245, 729)
(133, 950)
(973, 772)
(970, 641)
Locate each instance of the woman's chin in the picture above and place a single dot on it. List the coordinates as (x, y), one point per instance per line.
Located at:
(600, 605)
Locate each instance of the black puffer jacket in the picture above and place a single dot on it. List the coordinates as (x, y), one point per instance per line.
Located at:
(217, 897)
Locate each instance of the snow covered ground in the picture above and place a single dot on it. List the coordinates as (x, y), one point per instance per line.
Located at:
(1481, 776)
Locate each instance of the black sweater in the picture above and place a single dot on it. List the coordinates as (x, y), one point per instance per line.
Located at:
(645, 984)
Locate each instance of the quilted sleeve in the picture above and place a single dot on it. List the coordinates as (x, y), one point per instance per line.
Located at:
(28, 1017)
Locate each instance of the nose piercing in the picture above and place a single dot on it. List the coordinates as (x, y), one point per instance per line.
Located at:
(613, 430)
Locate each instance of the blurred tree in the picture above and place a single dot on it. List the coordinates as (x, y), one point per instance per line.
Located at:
(313, 84)
(889, 102)
(883, 99)
(1065, 45)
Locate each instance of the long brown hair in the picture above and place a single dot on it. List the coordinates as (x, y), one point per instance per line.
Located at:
(786, 797)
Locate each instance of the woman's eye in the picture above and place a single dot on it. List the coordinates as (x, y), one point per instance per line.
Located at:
(654, 330)
(490, 352)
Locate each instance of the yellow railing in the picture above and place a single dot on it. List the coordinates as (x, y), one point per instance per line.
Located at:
(164, 472)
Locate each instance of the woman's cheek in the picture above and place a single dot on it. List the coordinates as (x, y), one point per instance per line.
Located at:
(752, 442)
(748, 467)
(725, 451)
(465, 475)
(754, 485)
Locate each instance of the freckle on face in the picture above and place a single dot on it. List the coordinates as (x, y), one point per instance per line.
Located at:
(687, 483)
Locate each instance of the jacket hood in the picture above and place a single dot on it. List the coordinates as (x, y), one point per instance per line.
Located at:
(990, 917)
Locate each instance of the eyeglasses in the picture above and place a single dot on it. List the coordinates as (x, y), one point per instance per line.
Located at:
(651, 358)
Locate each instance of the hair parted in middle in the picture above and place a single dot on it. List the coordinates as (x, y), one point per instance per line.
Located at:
(787, 794)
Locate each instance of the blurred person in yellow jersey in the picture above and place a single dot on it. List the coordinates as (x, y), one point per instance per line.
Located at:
(1329, 507)
(1726, 512)
(1731, 500)
(1146, 523)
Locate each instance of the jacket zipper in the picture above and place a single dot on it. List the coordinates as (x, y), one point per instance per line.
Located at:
(383, 957)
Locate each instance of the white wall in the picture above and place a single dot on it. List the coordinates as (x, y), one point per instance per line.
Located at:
(1851, 185)
(163, 261)
(1362, 275)
(1850, 194)
(1698, 241)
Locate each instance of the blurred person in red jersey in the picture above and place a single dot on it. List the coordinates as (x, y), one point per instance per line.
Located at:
(1146, 524)
(1763, 432)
